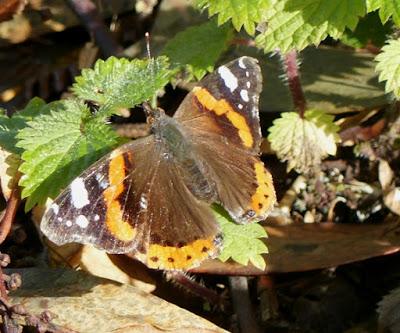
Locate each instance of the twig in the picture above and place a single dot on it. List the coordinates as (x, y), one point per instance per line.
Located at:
(268, 299)
(293, 77)
(242, 305)
(197, 289)
(91, 19)
(11, 210)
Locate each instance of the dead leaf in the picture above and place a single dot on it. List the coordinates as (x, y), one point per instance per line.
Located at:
(389, 311)
(9, 177)
(300, 247)
(391, 194)
(8, 8)
(94, 261)
(386, 174)
(85, 303)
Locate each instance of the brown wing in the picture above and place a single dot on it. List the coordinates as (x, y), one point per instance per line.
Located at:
(133, 200)
(221, 117)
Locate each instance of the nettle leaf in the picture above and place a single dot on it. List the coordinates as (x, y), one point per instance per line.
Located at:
(188, 48)
(304, 142)
(295, 24)
(389, 67)
(122, 83)
(387, 9)
(58, 146)
(242, 243)
(245, 13)
(10, 126)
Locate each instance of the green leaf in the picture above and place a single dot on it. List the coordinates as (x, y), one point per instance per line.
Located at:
(189, 47)
(369, 30)
(245, 13)
(295, 24)
(387, 9)
(389, 67)
(10, 126)
(122, 83)
(242, 243)
(304, 142)
(58, 147)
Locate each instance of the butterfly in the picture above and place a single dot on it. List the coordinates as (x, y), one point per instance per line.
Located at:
(152, 197)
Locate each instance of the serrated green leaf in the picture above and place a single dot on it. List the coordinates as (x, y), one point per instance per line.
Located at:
(295, 24)
(10, 126)
(389, 67)
(189, 47)
(245, 13)
(58, 146)
(369, 30)
(242, 243)
(122, 83)
(387, 9)
(304, 142)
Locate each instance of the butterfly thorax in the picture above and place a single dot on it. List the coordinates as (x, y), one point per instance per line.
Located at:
(175, 148)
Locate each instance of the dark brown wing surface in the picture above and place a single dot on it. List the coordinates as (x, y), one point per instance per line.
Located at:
(221, 117)
(133, 200)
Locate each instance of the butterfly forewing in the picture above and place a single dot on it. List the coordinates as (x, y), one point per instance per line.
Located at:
(136, 200)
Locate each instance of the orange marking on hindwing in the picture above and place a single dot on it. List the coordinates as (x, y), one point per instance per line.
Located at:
(170, 257)
(222, 107)
(264, 197)
(114, 217)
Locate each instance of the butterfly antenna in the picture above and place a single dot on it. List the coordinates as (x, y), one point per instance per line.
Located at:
(151, 64)
(147, 35)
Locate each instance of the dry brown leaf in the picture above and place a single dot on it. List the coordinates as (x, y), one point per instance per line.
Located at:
(389, 311)
(97, 262)
(9, 164)
(85, 303)
(391, 194)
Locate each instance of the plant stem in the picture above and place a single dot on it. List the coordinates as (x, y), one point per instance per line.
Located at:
(293, 77)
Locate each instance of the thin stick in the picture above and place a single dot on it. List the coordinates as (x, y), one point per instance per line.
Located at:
(11, 210)
(93, 22)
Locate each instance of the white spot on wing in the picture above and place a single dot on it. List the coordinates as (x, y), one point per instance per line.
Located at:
(55, 208)
(103, 183)
(248, 84)
(247, 74)
(68, 223)
(79, 194)
(244, 95)
(240, 106)
(230, 80)
(96, 217)
(59, 219)
(82, 221)
(241, 63)
(143, 202)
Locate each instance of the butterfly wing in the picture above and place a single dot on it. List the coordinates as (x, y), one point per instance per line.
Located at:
(221, 117)
(133, 200)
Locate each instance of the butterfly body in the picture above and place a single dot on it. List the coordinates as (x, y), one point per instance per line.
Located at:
(152, 196)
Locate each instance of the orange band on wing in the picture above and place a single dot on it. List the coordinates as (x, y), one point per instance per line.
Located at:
(222, 107)
(114, 217)
(264, 197)
(170, 257)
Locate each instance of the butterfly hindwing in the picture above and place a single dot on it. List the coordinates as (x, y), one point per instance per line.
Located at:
(221, 114)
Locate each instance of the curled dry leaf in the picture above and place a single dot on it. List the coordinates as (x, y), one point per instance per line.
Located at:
(304, 142)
